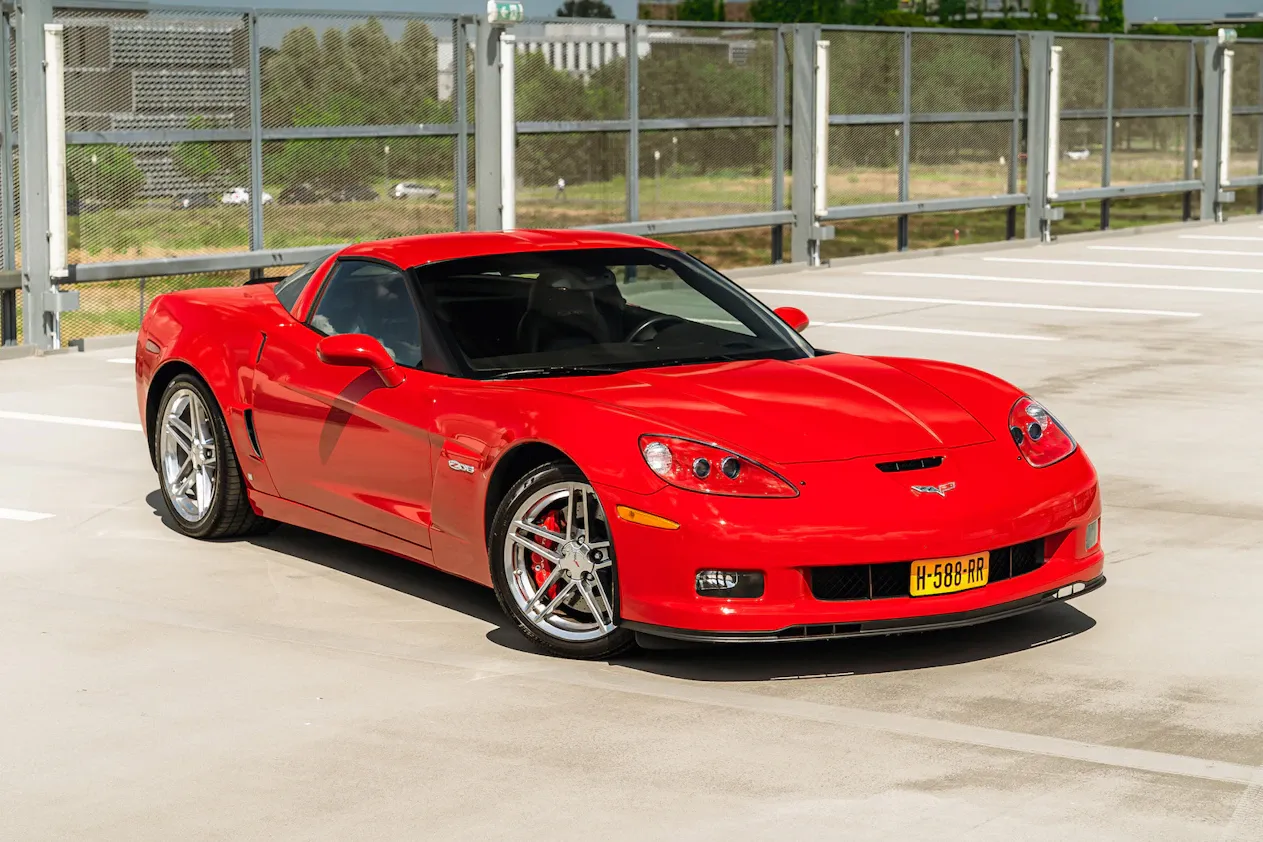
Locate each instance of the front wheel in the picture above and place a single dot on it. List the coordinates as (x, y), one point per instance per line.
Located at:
(553, 564)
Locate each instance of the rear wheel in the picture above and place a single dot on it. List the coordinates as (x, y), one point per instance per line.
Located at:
(553, 564)
(197, 466)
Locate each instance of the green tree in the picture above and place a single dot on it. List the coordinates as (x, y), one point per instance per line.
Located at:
(112, 179)
(1112, 19)
(700, 10)
(584, 9)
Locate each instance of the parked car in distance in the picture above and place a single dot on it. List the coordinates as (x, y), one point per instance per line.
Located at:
(192, 201)
(355, 193)
(413, 190)
(299, 194)
(241, 196)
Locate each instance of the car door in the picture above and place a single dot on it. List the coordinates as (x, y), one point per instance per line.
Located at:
(336, 438)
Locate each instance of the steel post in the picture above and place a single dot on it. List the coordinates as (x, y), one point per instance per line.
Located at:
(633, 119)
(33, 172)
(488, 183)
(778, 141)
(1037, 133)
(1212, 128)
(1108, 151)
(905, 136)
(256, 137)
(460, 57)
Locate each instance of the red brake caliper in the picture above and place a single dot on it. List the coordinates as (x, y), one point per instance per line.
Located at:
(540, 565)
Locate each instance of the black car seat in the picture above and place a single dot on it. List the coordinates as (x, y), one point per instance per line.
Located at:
(570, 308)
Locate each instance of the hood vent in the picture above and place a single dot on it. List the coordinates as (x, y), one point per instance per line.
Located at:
(910, 464)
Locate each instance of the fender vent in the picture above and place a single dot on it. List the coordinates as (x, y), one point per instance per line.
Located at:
(910, 464)
(254, 437)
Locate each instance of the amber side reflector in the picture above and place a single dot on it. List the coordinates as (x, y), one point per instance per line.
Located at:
(644, 518)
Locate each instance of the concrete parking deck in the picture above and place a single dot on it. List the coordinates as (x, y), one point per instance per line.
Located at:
(297, 687)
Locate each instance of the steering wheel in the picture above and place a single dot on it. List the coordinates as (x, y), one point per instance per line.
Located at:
(650, 322)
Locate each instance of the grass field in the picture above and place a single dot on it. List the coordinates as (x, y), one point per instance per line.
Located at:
(153, 230)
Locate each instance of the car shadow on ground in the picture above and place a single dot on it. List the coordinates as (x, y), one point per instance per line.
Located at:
(702, 662)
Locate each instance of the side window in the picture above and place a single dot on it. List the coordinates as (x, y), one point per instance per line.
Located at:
(363, 297)
(292, 286)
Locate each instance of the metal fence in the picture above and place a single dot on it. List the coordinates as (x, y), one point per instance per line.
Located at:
(203, 145)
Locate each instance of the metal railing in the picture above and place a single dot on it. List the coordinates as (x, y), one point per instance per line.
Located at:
(205, 145)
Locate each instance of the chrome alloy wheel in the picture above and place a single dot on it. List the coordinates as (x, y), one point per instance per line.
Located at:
(187, 455)
(559, 563)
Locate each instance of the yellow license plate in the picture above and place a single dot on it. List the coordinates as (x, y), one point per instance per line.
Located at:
(949, 575)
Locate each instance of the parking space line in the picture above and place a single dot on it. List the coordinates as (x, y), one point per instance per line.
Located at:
(122, 361)
(1170, 250)
(1107, 284)
(1233, 237)
(965, 302)
(63, 419)
(22, 515)
(940, 331)
(1043, 261)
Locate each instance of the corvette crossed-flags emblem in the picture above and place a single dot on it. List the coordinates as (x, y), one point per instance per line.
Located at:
(940, 490)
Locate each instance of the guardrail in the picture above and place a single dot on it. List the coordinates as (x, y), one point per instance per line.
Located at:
(658, 128)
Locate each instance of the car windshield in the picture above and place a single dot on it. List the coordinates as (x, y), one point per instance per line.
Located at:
(596, 310)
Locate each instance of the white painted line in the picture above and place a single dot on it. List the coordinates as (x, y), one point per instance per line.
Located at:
(1233, 237)
(940, 331)
(965, 302)
(1046, 262)
(19, 514)
(1106, 284)
(1166, 250)
(122, 361)
(63, 419)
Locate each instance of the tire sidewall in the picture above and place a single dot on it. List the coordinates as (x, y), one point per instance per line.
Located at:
(207, 523)
(554, 472)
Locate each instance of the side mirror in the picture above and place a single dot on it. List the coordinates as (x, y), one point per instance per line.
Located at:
(793, 317)
(358, 349)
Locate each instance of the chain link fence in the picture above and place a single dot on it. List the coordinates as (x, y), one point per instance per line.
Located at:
(117, 306)
(195, 132)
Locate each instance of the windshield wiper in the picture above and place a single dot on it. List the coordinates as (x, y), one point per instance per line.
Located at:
(556, 371)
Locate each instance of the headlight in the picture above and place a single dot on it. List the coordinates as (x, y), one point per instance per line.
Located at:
(696, 466)
(1039, 437)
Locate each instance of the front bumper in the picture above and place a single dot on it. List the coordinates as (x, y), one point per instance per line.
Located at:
(850, 514)
(834, 631)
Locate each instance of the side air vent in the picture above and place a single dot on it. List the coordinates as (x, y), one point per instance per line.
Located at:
(254, 437)
(910, 464)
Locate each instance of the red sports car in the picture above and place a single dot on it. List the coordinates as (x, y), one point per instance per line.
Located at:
(617, 439)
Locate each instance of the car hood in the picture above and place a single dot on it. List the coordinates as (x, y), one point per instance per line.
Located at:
(826, 408)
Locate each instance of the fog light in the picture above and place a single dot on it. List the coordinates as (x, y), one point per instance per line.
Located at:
(1092, 534)
(740, 584)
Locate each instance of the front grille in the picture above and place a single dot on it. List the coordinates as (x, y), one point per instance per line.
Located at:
(849, 582)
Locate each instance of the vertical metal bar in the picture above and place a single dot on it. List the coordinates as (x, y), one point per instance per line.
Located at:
(256, 140)
(1108, 152)
(58, 208)
(460, 57)
(1258, 190)
(1037, 132)
(8, 240)
(1010, 214)
(508, 132)
(804, 247)
(633, 117)
(778, 142)
(1190, 138)
(905, 131)
(142, 300)
(1212, 89)
(488, 201)
(32, 138)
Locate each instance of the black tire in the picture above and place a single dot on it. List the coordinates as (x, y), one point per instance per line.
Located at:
(230, 514)
(614, 643)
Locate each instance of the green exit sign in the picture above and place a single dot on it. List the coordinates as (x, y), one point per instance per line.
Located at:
(505, 11)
